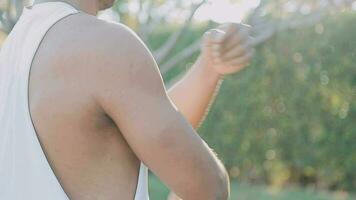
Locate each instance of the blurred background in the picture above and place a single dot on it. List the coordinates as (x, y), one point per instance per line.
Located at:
(285, 127)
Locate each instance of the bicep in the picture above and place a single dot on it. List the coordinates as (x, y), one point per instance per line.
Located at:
(132, 93)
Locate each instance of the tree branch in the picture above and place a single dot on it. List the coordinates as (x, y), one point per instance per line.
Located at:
(180, 57)
(162, 52)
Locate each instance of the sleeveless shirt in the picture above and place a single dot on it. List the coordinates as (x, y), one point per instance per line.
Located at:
(25, 172)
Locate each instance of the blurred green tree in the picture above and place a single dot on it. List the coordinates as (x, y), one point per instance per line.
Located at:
(290, 117)
(144, 16)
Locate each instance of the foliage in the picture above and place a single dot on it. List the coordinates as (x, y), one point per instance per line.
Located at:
(290, 117)
(266, 16)
(257, 192)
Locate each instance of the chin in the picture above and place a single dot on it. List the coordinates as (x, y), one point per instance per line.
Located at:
(105, 4)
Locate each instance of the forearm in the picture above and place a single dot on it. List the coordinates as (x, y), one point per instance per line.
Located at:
(195, 92)
(229, 47)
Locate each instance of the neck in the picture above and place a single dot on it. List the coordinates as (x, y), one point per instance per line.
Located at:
(87, 6)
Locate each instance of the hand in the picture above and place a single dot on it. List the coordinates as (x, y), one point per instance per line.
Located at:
(228, 49)
(173, 196)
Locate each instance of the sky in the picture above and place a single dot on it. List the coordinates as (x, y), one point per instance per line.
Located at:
(216, 10)
(225, 11)
(220, 11)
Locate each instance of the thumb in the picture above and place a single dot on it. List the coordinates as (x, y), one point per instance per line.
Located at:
(214, 36)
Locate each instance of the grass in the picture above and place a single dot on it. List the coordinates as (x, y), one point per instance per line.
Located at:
(253, 192)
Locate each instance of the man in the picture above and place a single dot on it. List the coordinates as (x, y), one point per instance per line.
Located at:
(99, 107)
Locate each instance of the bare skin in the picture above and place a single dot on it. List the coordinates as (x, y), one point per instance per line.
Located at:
(99, 108)
(221, 55)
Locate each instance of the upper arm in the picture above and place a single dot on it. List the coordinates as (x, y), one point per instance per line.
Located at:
(130, 89)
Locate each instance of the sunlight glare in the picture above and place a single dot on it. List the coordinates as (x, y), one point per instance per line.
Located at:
(223, 11)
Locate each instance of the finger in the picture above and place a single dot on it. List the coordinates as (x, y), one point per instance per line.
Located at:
(216, 54)
(215, 36)
(237, 51)
(209, 39)
(230, 29)
(238, 64)
(241, 61)
(235, 39)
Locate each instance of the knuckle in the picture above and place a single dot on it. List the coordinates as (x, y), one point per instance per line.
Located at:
(247, 46)
(206, 35)
(243, 50)
(247, 27)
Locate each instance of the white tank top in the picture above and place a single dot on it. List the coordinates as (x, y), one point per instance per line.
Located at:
(25, 172)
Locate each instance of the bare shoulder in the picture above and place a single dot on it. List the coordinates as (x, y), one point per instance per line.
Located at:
(120, 52)
(90, 33)
(110, 53)
(121, 49)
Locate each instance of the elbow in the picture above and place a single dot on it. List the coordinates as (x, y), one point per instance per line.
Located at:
(222, 191)
(219, 187)
(216, 187)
